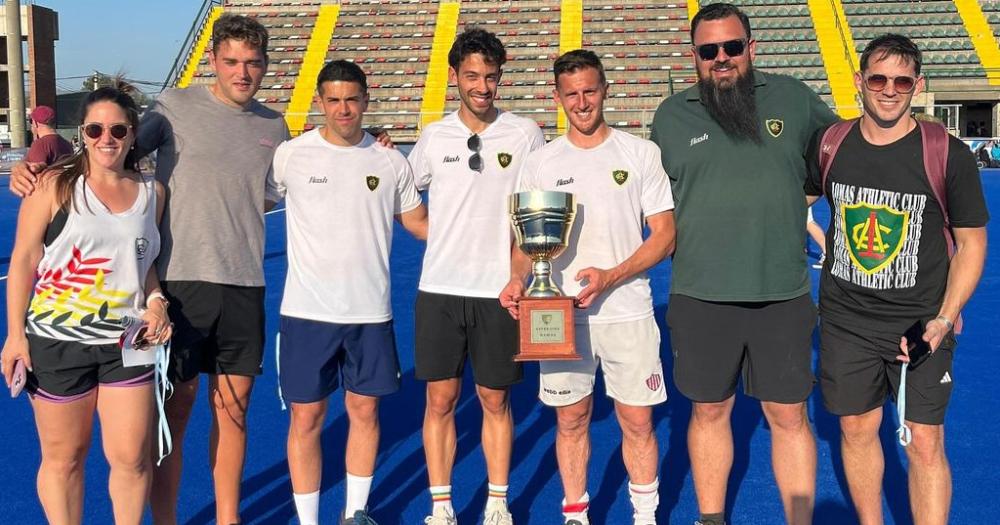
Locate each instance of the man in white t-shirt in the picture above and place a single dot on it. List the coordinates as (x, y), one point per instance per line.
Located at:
(468, 162)
(342, 190)
(619, 184)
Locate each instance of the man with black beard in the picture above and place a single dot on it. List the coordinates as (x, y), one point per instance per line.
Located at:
(734, 148)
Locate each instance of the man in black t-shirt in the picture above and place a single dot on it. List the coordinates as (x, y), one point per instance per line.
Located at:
(887, 267)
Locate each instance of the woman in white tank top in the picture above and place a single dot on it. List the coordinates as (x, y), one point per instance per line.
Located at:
(82, 265)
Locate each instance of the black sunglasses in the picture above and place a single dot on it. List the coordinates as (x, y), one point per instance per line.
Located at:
(733, 48)
(475, 144)
(901, 84)
(95, 130)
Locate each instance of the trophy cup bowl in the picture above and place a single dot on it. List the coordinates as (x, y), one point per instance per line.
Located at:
(542, 222)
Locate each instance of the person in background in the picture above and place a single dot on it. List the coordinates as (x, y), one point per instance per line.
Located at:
(47, 146)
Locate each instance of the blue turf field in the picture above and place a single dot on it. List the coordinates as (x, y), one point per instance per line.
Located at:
(399, 494)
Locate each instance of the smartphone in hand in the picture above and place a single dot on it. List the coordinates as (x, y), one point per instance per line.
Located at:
(918, 349)
(18, 379)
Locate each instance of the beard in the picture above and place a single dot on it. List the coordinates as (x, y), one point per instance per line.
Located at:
(732, 106)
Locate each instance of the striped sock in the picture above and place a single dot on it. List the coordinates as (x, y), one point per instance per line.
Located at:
(645, 499)
(576, 511)
(498, 493)
(441, 499)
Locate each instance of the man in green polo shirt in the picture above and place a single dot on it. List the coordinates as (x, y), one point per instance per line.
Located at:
(733, 146)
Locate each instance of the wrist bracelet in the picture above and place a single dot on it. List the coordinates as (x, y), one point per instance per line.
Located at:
(947, 322)
(157, 295)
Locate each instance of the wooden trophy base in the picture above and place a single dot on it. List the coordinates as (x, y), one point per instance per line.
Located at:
(546, 328)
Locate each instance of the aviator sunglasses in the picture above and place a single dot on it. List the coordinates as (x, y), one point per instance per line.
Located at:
(95, 130)
(901, 84)
(733, 48)
(475, 144)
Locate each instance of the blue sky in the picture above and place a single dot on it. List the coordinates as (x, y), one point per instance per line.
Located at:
(139, 37)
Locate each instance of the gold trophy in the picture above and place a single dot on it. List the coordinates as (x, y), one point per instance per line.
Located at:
(542, 223)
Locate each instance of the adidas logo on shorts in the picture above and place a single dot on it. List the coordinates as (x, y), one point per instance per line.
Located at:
(946, 378)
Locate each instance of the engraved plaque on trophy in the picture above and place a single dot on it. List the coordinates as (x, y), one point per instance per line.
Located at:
(542, 223)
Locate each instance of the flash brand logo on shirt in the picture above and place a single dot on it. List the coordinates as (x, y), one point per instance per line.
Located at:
(451, 158)
(564, 182)
(317, 180)
(699, 140)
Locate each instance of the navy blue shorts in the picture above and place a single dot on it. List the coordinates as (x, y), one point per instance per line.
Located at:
(315, 357)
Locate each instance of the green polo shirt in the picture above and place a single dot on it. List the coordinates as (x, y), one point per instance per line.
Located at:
(740, 206)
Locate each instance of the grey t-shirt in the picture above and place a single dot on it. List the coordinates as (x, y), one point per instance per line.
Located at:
(214, 161)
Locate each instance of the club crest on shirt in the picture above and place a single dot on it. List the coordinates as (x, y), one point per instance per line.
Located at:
(774, 126)
(372, 182)
(504, 159)
(874, 234)
(620, 176)
(141, 246)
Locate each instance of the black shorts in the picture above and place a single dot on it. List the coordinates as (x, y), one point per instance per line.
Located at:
(67, 370)
(767, 344)
(218, 329)
(858, 371)
(448, 327)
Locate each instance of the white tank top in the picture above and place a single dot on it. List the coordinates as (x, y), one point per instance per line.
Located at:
(93, 273)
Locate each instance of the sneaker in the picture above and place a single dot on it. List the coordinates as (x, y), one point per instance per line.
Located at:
(584, 521)
(441, 518)
(360, 518)
(819, 266)
(497, 514)
(711, 522)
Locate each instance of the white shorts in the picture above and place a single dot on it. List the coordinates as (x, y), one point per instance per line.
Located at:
(629, 356)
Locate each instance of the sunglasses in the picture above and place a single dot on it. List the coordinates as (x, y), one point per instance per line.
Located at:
(901, 84)
(95, 130)
(139, 342)
(733, 48)
(475, 144)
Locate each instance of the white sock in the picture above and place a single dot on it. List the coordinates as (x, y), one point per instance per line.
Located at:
(578, 510)
(645, 499)
(307, 507)
(441, 496)
(357, 494)
(497, 494)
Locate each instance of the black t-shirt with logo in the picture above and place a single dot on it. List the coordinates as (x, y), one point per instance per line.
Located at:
(887, 256)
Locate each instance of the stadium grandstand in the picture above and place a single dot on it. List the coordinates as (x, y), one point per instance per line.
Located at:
(645, 46)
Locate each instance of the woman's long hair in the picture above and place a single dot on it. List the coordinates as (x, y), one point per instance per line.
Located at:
(69, 169)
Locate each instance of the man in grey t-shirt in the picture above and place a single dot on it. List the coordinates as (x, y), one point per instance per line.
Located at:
(214, 149)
